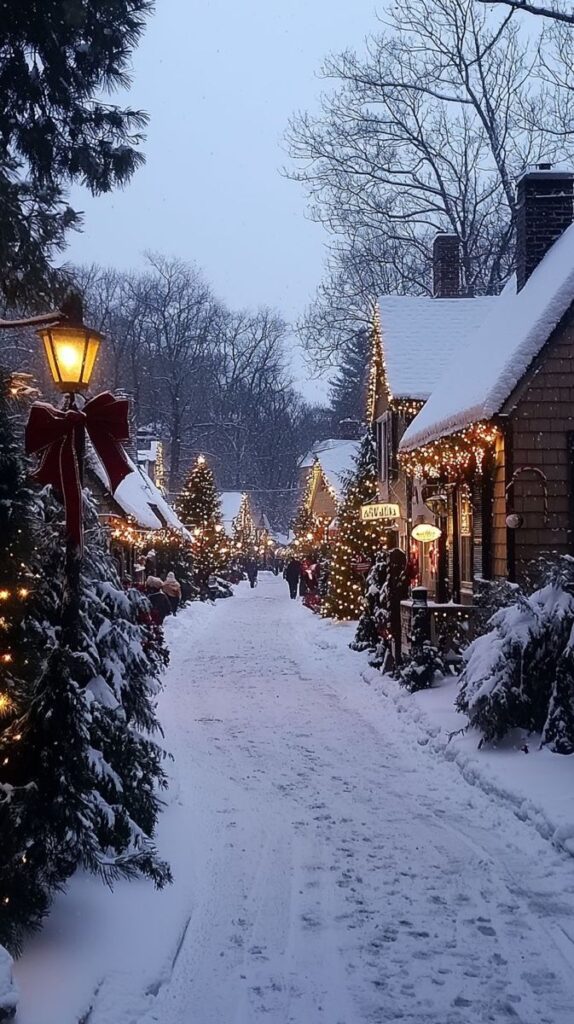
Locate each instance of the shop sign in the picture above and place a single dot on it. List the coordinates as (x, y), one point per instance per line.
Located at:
(379, 511)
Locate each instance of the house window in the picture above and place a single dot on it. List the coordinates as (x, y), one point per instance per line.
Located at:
(383, 447)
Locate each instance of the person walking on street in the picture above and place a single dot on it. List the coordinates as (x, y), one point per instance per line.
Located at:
(292, 573)
(172, 591)
(251, 570)
(160, 606)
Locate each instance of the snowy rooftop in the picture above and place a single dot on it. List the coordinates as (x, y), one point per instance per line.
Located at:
(149, 452)
(337, 459)
(138, 496)
(230, 505)
(420, 335)
(496, 356)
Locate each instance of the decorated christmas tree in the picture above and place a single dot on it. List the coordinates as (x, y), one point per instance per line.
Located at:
(80, 770)
(243, 528)
(358, 541)
(305, 525)
(24, 885)
(199, 508)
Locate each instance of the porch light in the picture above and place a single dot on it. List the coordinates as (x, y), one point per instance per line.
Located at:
(71, 348)
(424, 531)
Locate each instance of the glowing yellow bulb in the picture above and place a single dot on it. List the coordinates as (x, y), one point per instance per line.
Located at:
(4, 595)
(5, 704)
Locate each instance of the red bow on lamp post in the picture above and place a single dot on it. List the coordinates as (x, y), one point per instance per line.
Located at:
(58, 437)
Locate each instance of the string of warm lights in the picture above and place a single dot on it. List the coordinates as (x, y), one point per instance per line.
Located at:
(160, 473)
(452, 455)
(199, 508)
(407, 407)
(244, 534)
(378, 379)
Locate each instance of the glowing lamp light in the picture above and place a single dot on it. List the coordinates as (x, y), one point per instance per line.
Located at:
(201, 460)
(425, 532)
(71, 351)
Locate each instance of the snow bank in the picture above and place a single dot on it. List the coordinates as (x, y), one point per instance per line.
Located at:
(8, 991)
(537, 786)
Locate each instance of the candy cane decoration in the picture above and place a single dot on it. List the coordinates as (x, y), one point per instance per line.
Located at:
(543, 477)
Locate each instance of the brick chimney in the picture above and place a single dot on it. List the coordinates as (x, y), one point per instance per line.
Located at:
(545, 199)
(130, 446)
(446, 267)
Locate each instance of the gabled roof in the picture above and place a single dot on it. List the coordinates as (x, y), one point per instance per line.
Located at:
(420, 335)
(495, 357)
(139, 498)
(337, 459)
(230, 505)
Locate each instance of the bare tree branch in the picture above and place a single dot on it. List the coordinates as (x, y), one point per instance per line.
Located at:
(530, 8)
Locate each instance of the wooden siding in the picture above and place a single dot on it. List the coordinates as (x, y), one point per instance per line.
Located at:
(542, 420)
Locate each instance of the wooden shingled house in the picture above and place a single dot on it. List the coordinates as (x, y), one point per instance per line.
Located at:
(494, 441)
(416, 340)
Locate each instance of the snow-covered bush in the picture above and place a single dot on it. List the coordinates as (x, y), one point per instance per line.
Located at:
(374, 627)
(8, 992)
(423, 663)
(520, 674)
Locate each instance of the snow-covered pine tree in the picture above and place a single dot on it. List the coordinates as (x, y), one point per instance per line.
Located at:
(24, 883)
(558, 732)
(423, 663)
(357, 539)
(371, 623)
(84, 768)
(517, 674)
(199, 508)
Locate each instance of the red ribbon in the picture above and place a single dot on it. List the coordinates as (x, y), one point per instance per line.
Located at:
(57, 437)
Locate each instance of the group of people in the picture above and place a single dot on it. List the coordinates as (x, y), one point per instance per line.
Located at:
(302, 576)
(164, 596)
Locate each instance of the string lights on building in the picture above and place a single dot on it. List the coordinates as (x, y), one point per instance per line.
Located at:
(453, 455)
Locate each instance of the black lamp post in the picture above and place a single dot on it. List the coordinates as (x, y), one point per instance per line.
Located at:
(71, 350)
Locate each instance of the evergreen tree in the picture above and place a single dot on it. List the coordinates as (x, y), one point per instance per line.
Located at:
(357, 539)
(424, 661)
(199, 508)
(347, 392)
(244, 528)
(518, 674)
(373, 629)
(558, 732)
(79, 768)
(59, 59)
(24, 884)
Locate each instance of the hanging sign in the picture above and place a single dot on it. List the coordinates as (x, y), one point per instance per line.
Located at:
(426, 532)
(360, 565)
(379, 511)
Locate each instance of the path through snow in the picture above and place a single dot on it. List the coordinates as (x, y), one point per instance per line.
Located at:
(327, 868)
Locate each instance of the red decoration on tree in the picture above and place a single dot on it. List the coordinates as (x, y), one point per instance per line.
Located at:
(58, 436)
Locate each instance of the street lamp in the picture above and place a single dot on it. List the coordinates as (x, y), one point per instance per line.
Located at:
(71, 348)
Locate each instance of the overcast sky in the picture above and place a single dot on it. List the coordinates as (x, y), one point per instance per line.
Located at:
(220, 79)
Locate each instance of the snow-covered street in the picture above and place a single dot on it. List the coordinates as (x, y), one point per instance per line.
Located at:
(326, 867)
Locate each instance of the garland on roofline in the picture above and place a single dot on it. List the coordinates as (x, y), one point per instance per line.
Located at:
(453, 455)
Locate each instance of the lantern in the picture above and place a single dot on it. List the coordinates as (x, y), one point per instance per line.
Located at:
(71, 348)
